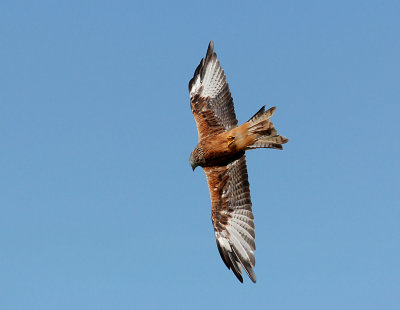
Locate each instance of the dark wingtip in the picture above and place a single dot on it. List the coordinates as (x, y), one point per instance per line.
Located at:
(210, 51)
(251, 274)
(199, 69)
(229, 258)
(237, 274)
(210, 46)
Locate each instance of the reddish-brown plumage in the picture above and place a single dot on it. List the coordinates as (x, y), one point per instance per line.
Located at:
(216, 186)
(220, 151)
(207, 124)
(219, 148)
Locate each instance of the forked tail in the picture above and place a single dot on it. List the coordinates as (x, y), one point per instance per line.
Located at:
(264, 132)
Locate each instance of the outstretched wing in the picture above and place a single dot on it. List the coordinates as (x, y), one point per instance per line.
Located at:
(210, 98)
(232, 216)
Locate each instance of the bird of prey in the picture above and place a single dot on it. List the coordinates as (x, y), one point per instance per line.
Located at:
(221, 153)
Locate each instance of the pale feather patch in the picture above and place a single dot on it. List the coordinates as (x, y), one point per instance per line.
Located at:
(195, 89)
(223, 242)
(246, 245)
(243, 229)
(239, 246)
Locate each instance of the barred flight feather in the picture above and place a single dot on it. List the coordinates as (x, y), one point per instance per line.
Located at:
(221, 153)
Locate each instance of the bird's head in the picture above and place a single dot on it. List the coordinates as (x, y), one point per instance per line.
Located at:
(196, 157)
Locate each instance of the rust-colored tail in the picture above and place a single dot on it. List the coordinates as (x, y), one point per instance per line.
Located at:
(264, 132)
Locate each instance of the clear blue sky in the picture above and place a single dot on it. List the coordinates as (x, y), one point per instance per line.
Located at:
(99, 207)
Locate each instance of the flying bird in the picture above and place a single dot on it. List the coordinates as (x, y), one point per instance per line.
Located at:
(221, 153)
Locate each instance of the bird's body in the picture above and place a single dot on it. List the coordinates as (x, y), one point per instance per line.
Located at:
(223, 147)
(221, 153)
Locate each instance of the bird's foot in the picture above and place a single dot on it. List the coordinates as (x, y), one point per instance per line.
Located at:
(231, 139)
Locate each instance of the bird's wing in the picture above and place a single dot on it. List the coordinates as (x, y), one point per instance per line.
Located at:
(232, 216)
(210, 99)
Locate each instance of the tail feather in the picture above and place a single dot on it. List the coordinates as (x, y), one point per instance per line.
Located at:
(272, 142)
(262, 113)
(266, 136)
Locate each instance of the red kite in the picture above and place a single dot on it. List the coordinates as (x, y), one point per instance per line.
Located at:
(221, 153)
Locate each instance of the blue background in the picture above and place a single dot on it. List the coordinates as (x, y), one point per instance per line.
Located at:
(99, 207)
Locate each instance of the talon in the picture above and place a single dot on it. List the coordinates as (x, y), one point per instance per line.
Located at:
(232, 139)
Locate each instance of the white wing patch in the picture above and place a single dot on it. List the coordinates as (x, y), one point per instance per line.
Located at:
(213, 81)
(237, 240)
